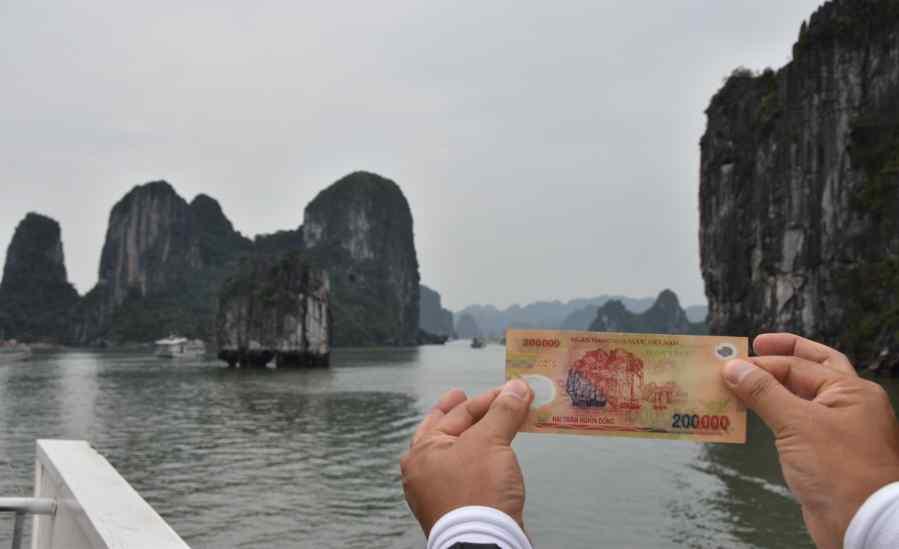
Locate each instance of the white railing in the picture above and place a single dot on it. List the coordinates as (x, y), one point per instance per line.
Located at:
(23, 507)
(81, 502)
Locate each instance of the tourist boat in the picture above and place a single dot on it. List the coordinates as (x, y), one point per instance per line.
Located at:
(12, 351)
(81, 502)
(180, 347)
(477, 342)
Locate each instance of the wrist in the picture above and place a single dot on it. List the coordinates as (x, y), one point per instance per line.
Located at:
(477, 524)
(870, 526)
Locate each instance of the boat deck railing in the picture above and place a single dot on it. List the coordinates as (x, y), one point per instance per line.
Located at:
(23, 507)
(81, 502)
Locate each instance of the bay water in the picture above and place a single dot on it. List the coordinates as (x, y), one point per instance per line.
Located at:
(310, 458)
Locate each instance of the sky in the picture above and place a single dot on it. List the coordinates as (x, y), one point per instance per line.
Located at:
(548, 150)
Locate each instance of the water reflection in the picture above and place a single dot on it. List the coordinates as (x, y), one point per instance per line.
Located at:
(76, 391)
(762, 511)
(314, 458)
(380, 356)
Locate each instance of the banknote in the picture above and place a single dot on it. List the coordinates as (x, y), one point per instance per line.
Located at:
(638, 385)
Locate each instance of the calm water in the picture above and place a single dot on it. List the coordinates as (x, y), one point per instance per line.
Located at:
(310, 458)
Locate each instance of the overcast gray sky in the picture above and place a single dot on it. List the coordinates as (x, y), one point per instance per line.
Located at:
(548, 149)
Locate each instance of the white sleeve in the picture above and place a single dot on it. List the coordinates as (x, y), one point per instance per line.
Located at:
(876, 523)
(475, 524)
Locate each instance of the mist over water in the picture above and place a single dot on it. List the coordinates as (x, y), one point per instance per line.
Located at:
(309, 458)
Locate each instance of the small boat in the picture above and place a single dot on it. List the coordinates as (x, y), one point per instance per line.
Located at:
(477, 342)
(12, 351)
(180, 347)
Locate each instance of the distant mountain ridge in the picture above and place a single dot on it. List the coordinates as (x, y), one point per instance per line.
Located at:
(665, 316)
(467, 327)
(576, 314)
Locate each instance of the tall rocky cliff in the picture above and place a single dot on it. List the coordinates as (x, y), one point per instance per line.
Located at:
(798, 187)
(360, 229)
(665, 316)
(162, 263)
(36, 298)
(432, 317)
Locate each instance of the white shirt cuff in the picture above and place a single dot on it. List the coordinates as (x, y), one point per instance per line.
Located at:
(876, 523)
(475, 524)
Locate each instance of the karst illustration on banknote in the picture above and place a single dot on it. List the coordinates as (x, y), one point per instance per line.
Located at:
(643, 385)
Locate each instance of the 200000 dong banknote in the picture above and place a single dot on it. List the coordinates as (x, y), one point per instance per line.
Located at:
(639, 385)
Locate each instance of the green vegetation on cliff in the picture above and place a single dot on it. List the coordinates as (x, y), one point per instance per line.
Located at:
(853, 22)
(873, 280)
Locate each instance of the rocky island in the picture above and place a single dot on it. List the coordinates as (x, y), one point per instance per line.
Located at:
(36, 299)
(275, 309)
(165, 260)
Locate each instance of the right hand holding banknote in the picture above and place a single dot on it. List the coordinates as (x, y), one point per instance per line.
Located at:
(836, 433)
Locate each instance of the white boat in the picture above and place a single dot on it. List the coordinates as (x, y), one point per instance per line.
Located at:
(81, 502)
(180, 347)
(12, 351)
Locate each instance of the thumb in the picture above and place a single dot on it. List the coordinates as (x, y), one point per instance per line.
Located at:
(762, 393)
(506, 414)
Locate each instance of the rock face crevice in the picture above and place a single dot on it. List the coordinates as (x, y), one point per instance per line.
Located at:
(798, 186)
(36, 298)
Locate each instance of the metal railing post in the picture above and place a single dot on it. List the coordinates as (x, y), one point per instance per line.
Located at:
(22, 507)
(17, 528)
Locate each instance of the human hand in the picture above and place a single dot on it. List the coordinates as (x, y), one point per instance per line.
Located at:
(461, 455)
(836, 433)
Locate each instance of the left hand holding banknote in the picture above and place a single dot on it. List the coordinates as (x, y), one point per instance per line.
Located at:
(461, 455)
(836, 433)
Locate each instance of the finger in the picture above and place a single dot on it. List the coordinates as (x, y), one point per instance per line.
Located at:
(462, 417)
(506, 414)
(804, 378)
(447, 402)
(762, 393)
(784, 344)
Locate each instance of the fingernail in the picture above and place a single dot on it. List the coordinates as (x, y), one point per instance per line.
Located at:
(736, 370)
(517, 388)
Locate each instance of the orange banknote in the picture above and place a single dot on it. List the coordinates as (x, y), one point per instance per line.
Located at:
(638, 385)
